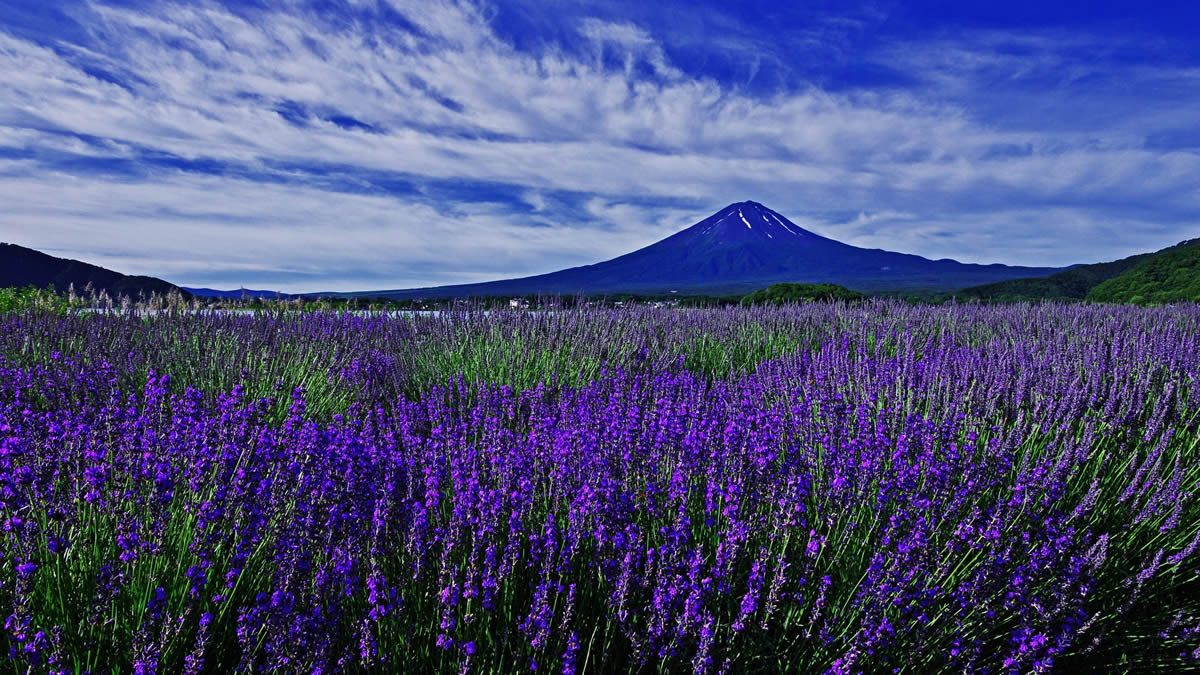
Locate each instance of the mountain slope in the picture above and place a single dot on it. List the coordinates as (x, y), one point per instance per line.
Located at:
(239, 294)
(1171, 275)
(20, 266)
(1070, 284)
(741, 248)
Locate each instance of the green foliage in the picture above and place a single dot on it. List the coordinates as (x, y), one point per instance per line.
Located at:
(1170, 276)
(274, 351)
(31, 298)
(955, 366)
(778, 294)
(1155, 283)
(1072, 284)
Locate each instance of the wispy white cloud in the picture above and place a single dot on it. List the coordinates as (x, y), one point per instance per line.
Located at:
(646, 147)
(1031, 234)
(206, 228)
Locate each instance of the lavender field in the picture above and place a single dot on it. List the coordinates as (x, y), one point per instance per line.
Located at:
(820, 488)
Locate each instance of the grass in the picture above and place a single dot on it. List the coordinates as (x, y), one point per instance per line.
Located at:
(1034, 433)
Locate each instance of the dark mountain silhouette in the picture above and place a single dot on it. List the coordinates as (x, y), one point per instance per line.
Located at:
(20, 267)
(239, 294)
(741, 248)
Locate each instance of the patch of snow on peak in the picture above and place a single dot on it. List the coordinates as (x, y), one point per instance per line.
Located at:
(785, 226)
(744, 220)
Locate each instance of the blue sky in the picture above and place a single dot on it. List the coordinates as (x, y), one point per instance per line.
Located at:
(372, 144)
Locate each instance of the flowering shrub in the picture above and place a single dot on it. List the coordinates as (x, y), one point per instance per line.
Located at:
(867, 489)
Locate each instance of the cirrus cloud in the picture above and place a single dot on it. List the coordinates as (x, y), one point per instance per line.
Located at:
(412, 143)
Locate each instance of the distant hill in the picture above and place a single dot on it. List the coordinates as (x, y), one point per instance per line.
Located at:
(741, 248)
(1171, 275)
(1075, 283)
(1070, 284)
(237, 294)
(20, 266)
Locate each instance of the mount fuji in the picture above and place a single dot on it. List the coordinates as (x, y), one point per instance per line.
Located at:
(740, 248)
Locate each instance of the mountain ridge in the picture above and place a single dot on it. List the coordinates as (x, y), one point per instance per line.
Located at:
(238, 294)
(1078, 282)
(1170, 275)
(740, 248)
(22, 266)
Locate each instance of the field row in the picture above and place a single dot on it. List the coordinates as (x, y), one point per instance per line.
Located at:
(807, 489)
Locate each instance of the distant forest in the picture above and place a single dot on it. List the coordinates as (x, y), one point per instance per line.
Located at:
(1170, 276)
